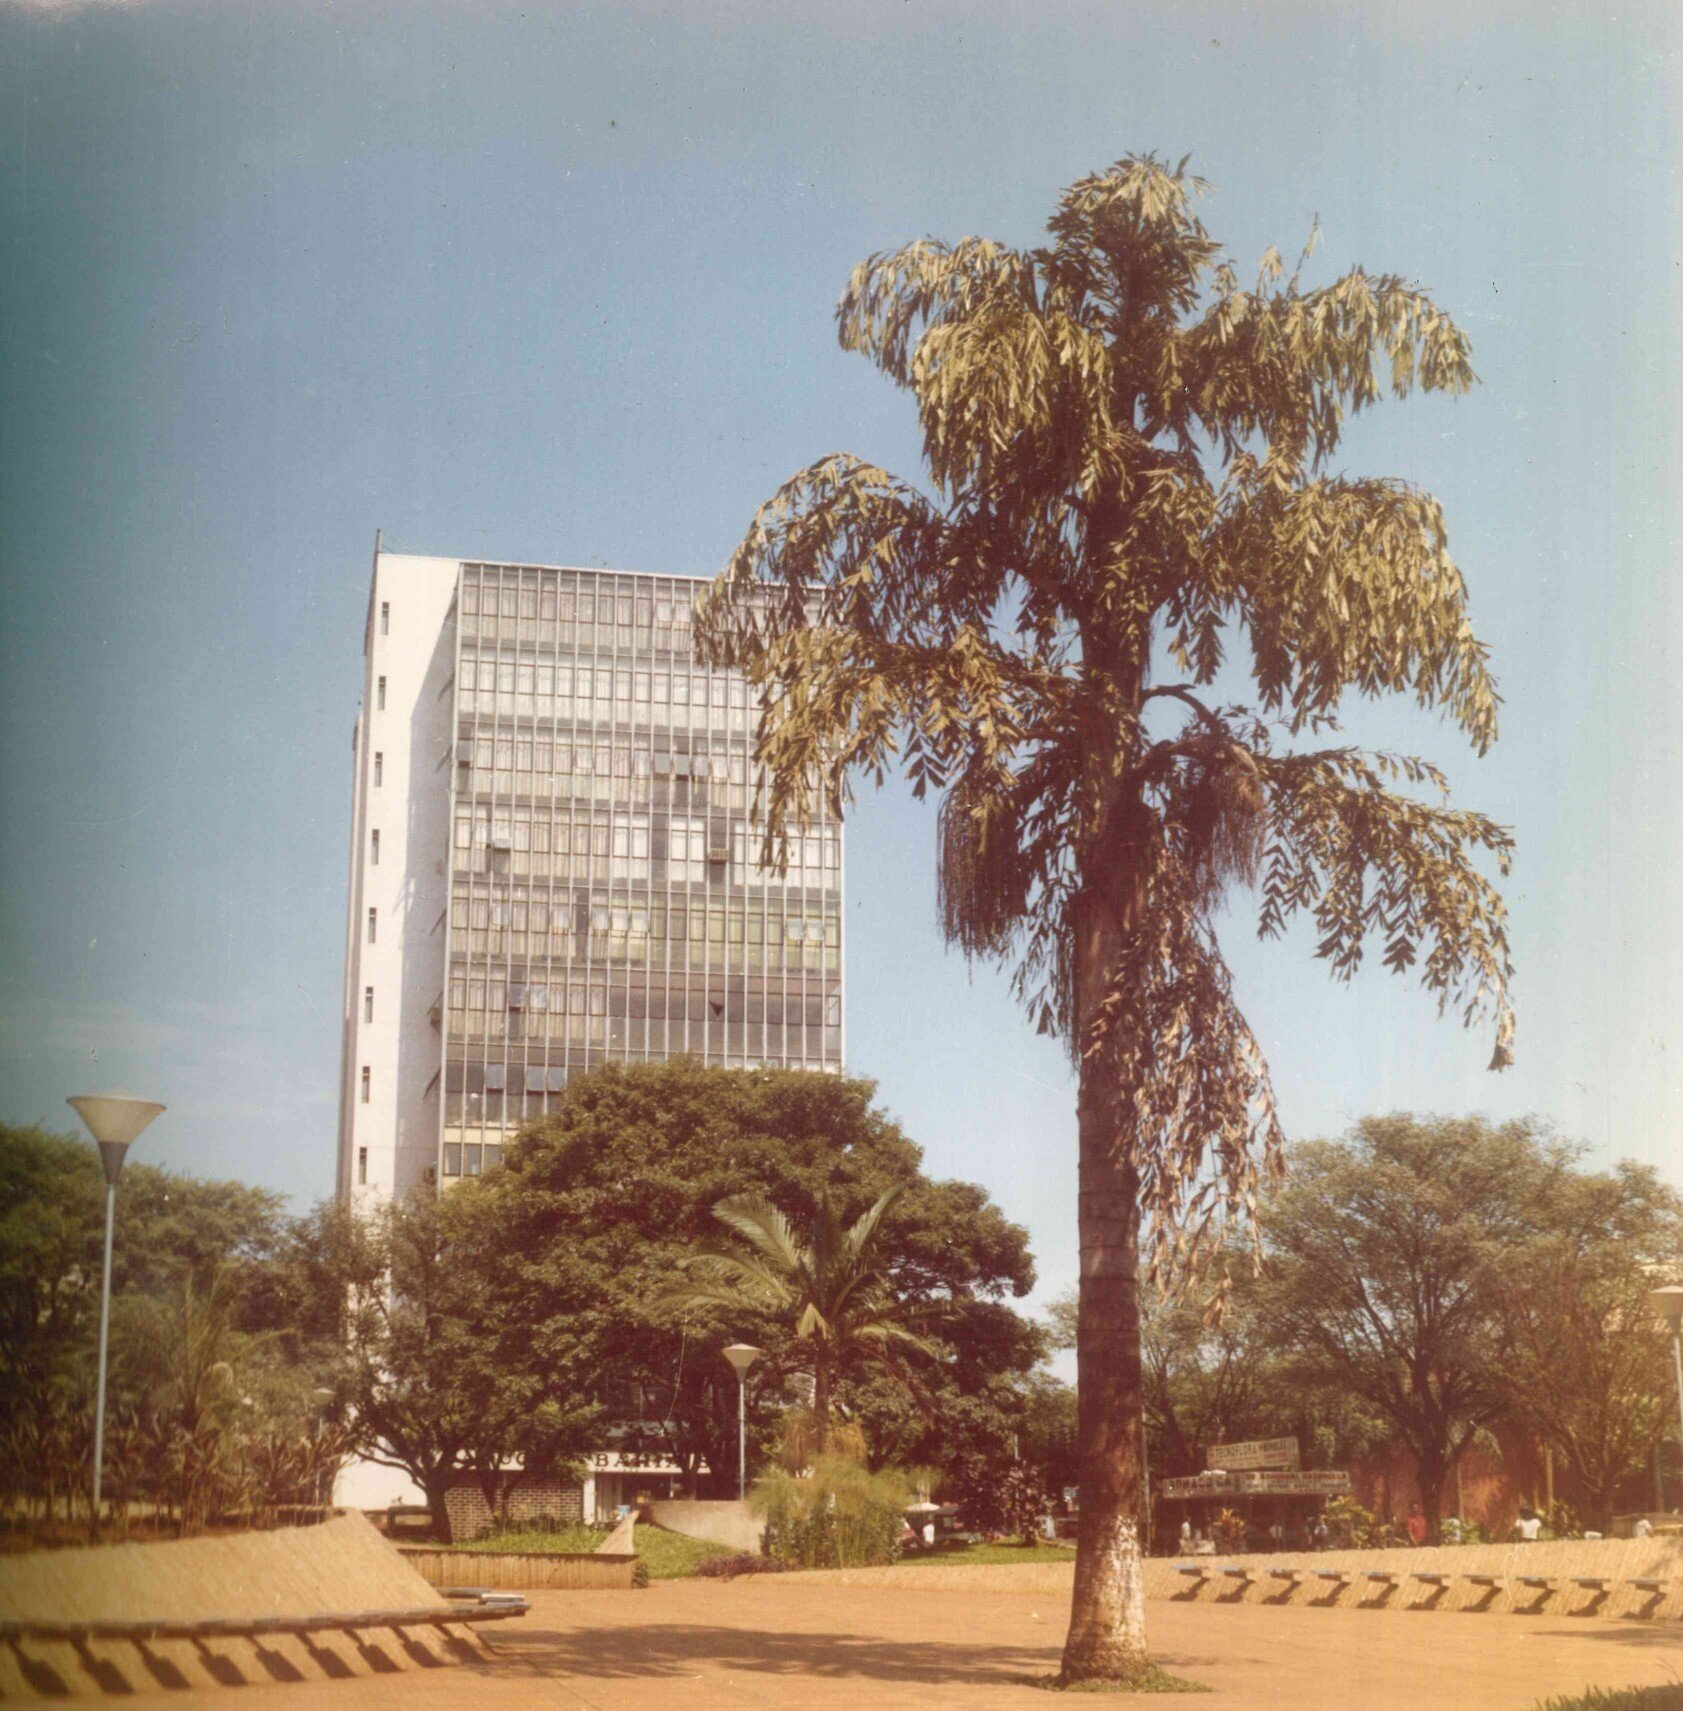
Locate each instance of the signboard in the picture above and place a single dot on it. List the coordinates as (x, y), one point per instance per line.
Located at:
(1256, 1453)
(1318, 1482)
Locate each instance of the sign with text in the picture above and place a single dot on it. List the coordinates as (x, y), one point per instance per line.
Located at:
(1318, 1482)
(1257, 1453)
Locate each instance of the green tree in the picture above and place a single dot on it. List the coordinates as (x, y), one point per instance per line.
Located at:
(1581, 1359)
(441, 1380)
(176, 1236)
(597, 1208)
(1128, 451)
(824, 1279)
(1383, 1255)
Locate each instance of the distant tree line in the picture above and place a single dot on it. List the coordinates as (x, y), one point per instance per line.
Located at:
(1422, 1282)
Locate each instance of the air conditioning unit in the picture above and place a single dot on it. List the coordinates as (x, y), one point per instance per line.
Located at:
(502, 844)
(718, 855)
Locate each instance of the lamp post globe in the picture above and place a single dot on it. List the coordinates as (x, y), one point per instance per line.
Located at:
(741, 1356)
(115, 1121)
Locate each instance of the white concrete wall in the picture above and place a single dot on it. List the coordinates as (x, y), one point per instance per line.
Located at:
(728, 1523)
(410, 808)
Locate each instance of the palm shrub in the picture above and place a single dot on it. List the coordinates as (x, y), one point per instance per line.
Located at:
(840, 1515)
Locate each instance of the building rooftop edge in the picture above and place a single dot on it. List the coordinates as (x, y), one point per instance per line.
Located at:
(532, 564)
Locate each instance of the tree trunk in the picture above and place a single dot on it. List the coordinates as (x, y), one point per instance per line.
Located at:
(1431, 1474)
(821, 1400)
(435, 1487)
(1107, 1615)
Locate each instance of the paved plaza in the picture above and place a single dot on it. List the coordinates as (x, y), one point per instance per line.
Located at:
(703, 1645)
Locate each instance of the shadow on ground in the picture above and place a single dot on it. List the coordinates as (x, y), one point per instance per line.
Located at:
(673, 1649)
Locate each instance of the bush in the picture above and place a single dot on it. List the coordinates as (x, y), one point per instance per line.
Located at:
(841, 1515)
(1666, 1698)
(1350, 1526)
(1002, 1499)
(744, 1562)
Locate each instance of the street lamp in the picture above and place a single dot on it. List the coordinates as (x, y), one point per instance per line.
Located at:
(742, 1356)
(114, 1120)
(1668, 1303)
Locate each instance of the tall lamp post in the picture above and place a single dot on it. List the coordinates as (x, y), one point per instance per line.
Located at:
(1668, 1303)
(742, 1356)
(114, 1120)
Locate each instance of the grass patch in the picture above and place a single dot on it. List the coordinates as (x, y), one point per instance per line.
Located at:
(1015, 1554)
(1151, 1679)
(1668, 1697)
(667, 1556)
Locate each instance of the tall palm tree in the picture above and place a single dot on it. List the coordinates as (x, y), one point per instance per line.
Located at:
(1127, 453)
(825, 1280)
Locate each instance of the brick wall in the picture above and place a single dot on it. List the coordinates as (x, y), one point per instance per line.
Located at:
(559, 1502)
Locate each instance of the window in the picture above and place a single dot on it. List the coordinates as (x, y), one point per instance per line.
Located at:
(374, 847)
(371, 925)
(368, 1003)
(385, 617)
(362, 1167)
(379, 766)
(367, 1082)
(380, 695)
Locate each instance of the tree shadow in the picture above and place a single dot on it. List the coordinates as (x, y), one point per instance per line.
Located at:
(1635, 1635)
(676, 1648)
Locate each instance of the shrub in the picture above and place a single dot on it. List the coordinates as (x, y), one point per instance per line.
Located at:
(1668, 1697)
(1350, 1526)
(840, 1515)
(744, 1562)
(1002, 1499)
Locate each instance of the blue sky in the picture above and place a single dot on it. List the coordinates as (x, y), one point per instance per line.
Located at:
(556, 282)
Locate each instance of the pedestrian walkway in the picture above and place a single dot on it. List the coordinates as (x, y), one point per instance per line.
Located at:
(753, 1645)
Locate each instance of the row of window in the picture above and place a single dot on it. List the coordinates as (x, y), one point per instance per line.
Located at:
(547, 601)
(595, 686)
(623, 846)
(505, 752)
(640, 935)
(463, 1158)
(695, 1001)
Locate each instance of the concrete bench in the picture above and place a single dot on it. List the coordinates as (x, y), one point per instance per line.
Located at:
(1294, 1575)
(1483, 1579)
(1244, 1574)
(1432, 1579)
(1193, 1573)
(1595, 1582)
(1656, 1587)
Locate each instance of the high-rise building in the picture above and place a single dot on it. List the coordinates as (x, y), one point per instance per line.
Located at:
(555, 862)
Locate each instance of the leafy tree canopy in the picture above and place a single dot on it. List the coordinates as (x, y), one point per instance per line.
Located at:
(596, 1211)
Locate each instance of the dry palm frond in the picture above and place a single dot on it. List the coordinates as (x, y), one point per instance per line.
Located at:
(982, 880)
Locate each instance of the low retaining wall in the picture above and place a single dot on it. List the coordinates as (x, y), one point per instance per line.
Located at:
(723, 1523)
(1618, 1561)
(340, 1566)
(523, 1571)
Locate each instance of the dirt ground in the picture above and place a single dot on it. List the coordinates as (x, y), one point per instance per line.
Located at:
(708, 1646)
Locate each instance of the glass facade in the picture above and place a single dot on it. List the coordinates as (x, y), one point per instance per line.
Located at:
(606, 897)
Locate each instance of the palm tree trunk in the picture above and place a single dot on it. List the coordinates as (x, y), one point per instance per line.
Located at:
(821, 1399)
(1107, 1616)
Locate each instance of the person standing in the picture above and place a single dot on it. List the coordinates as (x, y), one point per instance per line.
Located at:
(1415, 1525)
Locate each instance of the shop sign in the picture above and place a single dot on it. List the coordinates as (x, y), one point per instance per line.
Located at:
(1254, 1453)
